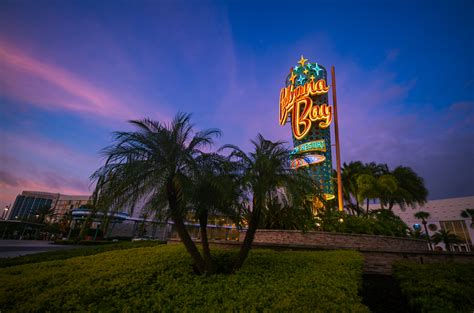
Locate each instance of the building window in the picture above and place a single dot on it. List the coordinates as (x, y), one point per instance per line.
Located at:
(458, 228)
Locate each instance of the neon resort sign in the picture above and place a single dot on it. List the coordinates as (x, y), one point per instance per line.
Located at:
(304, 103)
(299, 103)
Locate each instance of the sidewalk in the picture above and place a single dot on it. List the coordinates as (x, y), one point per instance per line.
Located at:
(14, 248)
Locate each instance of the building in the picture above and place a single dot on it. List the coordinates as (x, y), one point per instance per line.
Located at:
(444, 214)
(66, 203)
(27, 204)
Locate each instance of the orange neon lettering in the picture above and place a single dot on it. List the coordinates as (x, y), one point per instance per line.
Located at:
(304, 118)
(289, 95)
(301, 119)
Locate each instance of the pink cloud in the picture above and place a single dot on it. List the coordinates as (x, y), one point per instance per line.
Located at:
(22, 176)
(33, 162)
(48, 86)
(12, 185)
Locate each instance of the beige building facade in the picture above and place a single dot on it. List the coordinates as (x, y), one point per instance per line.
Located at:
(444, 214)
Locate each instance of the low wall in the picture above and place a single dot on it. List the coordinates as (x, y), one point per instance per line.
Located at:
(380, 262)
(375, 262)
(380, 252)
(327, 240)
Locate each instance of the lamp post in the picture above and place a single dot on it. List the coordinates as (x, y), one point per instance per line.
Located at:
(5, 212)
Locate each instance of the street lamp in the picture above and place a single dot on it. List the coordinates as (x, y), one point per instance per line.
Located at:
(5, 212)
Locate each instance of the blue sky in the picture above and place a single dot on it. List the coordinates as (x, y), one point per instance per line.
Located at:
(71, 72)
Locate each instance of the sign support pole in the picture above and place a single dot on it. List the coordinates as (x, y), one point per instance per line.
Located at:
(336, 134)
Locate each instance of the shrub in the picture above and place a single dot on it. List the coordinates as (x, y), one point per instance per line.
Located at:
(437, 287)
(159, 279)
(379, 222)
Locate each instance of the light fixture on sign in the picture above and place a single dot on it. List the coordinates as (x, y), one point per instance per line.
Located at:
(307, 160)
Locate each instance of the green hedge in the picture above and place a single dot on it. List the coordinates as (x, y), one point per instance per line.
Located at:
(438, 287)
(161, 279)
(71, 253)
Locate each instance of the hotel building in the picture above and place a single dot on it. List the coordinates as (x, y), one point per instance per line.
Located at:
(28, 202)
(444, 214)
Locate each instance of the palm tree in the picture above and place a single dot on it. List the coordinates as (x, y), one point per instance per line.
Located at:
(411, 190)
(281, 215)
(86, 224)
(266, 175)
(423, 216)
(155, 164)
(215, 190)
(468, 213)
(367, 186)
(401, 186)
(350, 188)
(363, 182)
(387, 186)
(446, 237)
(376, 183)
(44, 211)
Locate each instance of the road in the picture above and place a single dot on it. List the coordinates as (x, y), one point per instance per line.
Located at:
(14, 248)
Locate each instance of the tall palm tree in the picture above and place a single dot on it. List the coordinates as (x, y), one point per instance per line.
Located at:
(367, 187)
(446, 237)
(266, 175)
(387, 187)
(375, 183)
(401, 186)
(363, 182)
(154, 164)
(468, 213)
(350, 188)
(423, 216)
(215, 190)
(411, 190)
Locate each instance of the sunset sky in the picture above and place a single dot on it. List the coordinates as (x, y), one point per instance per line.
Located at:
(71, 72)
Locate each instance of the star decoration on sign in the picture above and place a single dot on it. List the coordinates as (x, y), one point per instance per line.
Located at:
(304, 72)
(292, 78)
(302, 61)
(301, 79)
(316, 68)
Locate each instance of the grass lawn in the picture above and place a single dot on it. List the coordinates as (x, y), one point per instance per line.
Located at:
(71, 253)
(438, 287)
(160, 278)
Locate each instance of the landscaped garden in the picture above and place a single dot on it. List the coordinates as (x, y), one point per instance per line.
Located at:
(161, 278)
(165, 166)
(149, 277)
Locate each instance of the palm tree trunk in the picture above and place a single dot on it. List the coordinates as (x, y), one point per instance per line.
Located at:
(189, 244)
(427, 235)
(205, 242)
(178, 220)
(358, 206)
(249, 237)
(84, 226)
(448, 246)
